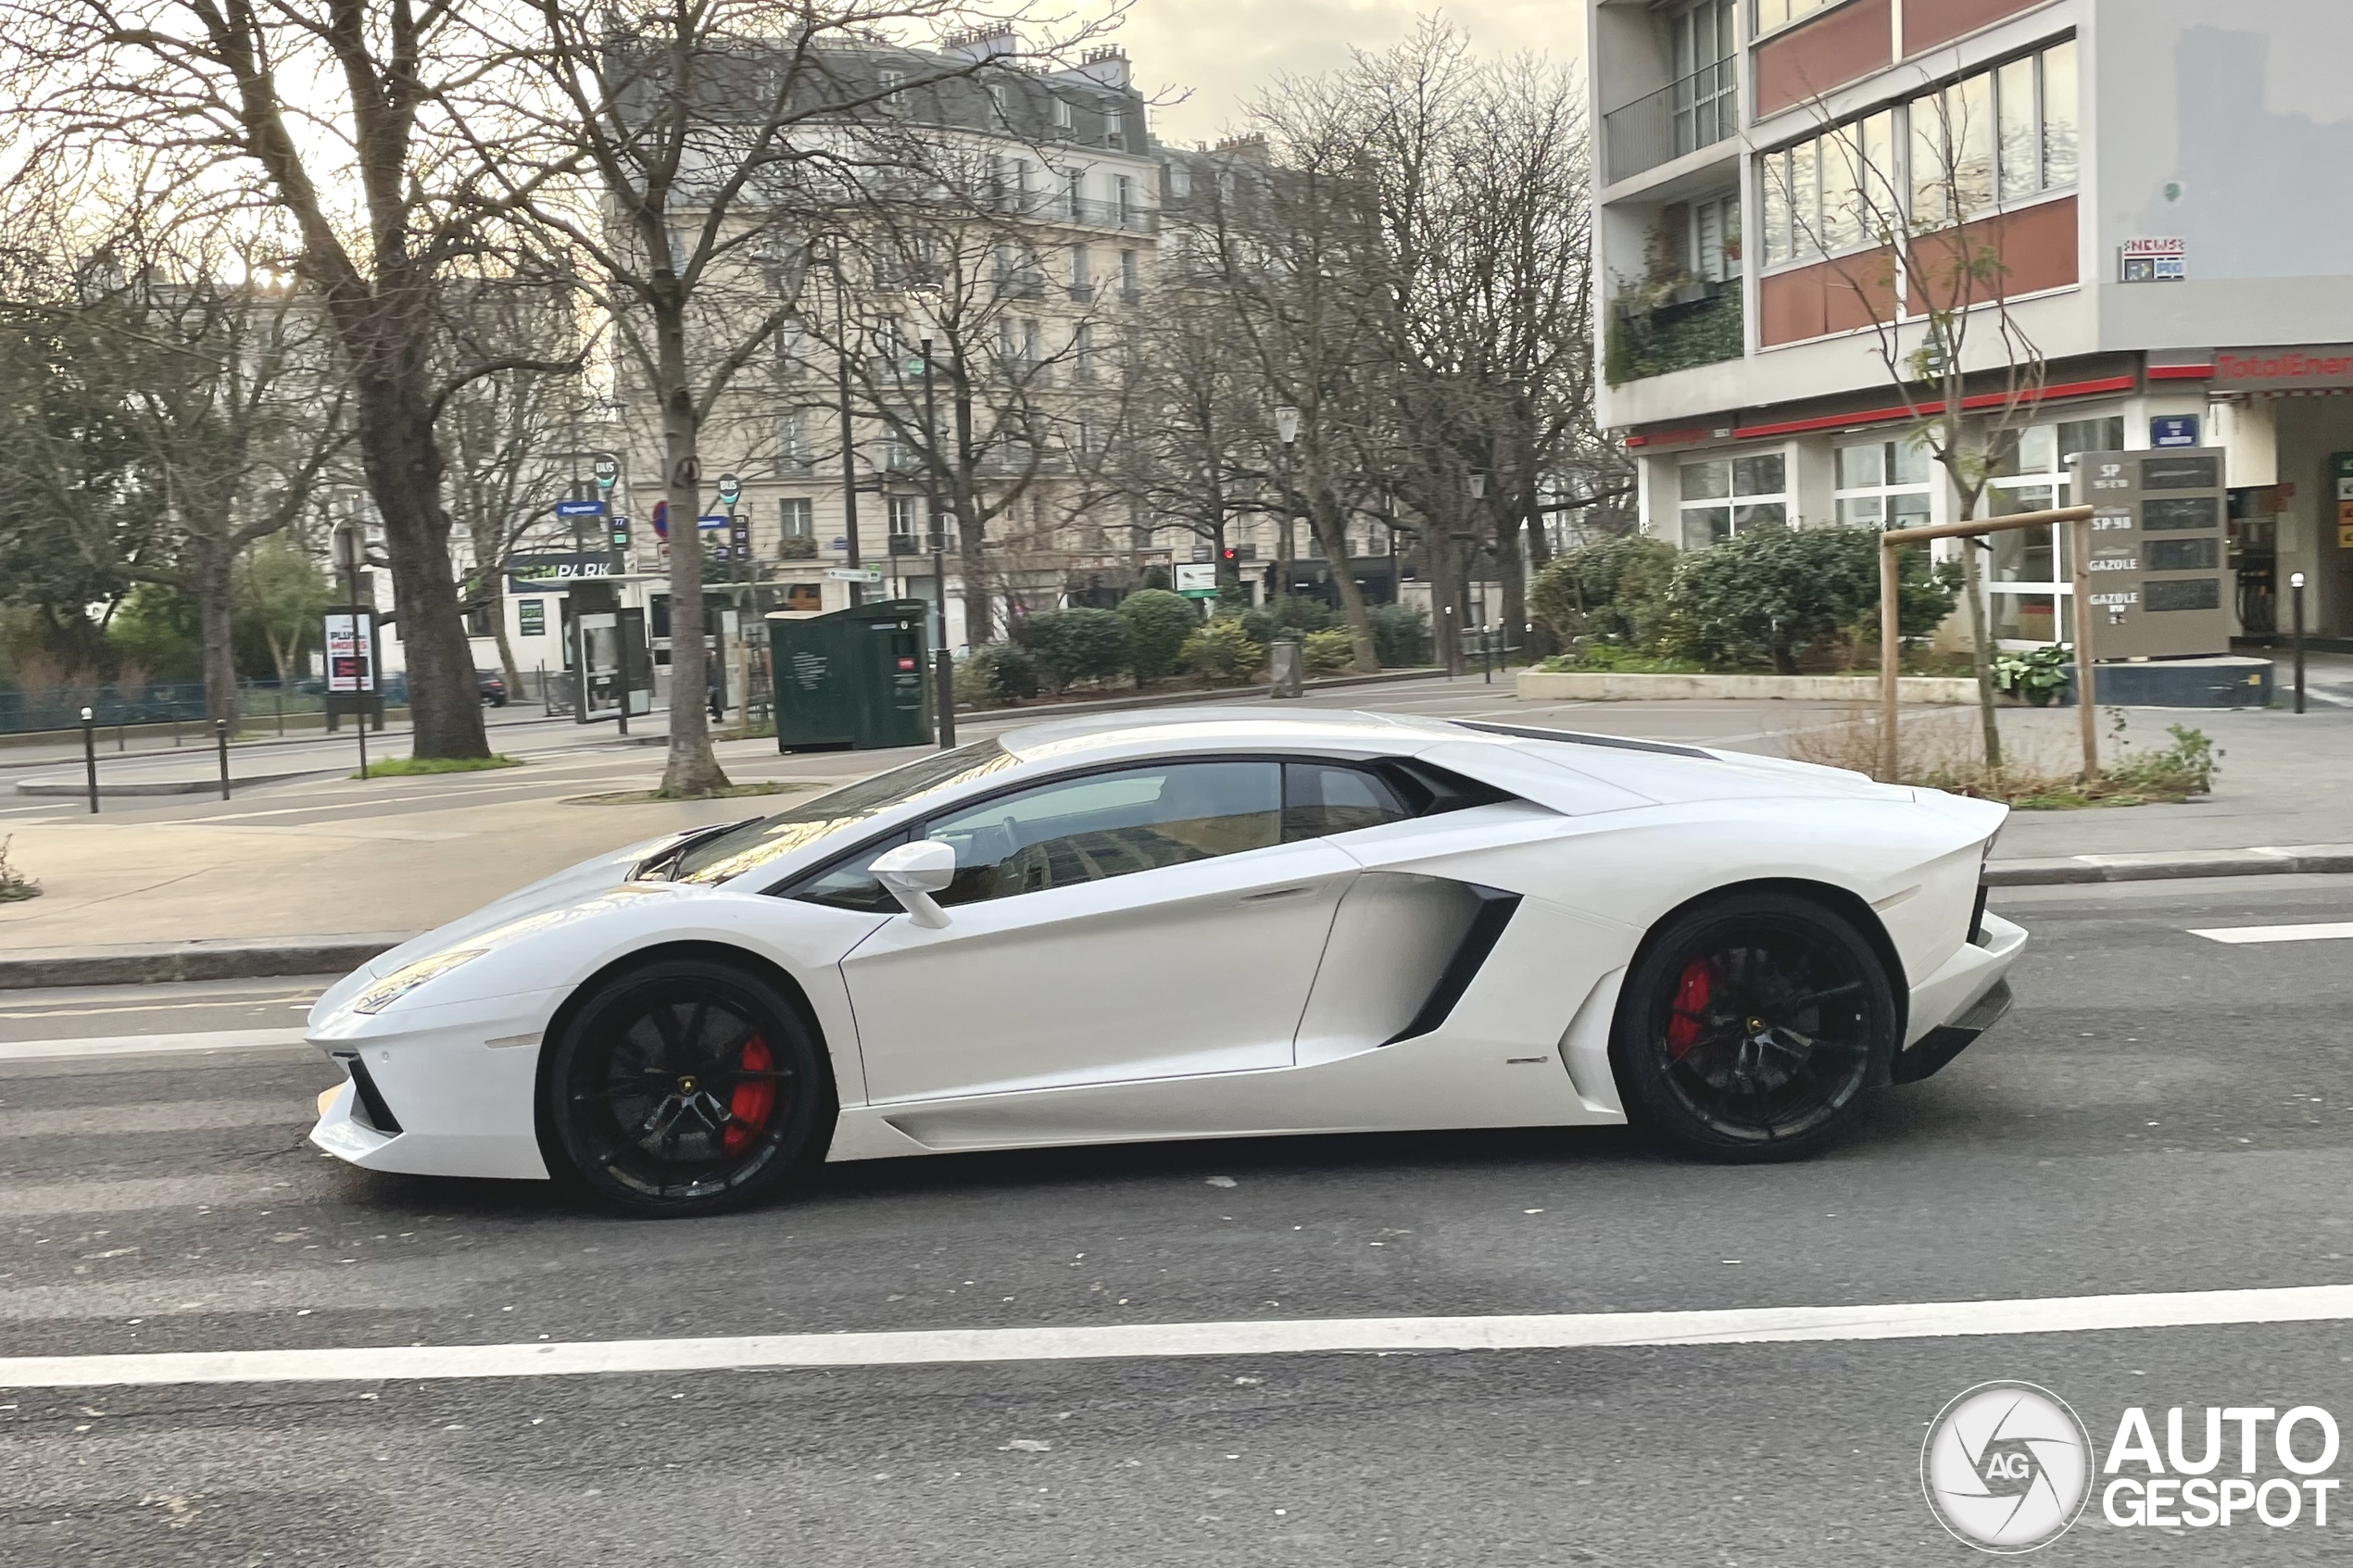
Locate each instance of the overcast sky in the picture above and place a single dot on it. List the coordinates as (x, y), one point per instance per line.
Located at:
(1225, 50)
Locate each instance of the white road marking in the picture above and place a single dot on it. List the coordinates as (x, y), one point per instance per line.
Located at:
(1740, 1326)
(301, 997)
(2329, 931)
(141, 1045)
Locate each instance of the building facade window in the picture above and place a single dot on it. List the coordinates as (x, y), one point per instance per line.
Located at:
(1992, 139)
(1075, 194)
(1082, 273)
(1771, 14)
(1130, 285)
(1180, 181)
(2026, 578)
(1715, 239)
(1883, 484)
(1719, 497)
(894, 87)
(906, 522)
(1707, 107)
(1061, 114)
(795, 517)
(794, 451)
(1082, 352)
(1115, 128)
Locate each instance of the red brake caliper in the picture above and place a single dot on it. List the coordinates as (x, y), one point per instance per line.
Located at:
(1691, 1002)
(753, 1098)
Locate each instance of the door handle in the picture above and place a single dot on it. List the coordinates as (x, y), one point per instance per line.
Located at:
(1272, 894)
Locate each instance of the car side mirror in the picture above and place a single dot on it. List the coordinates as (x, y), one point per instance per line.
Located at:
(912, 873)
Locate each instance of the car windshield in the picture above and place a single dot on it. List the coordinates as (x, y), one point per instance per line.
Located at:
(756, 843)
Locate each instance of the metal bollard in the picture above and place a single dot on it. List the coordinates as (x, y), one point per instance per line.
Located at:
(220, 737)
(2296, 598)
(944, 697)
(90, 756)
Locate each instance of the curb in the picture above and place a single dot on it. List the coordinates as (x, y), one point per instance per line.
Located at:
(2292, 859)
(176, 786)
(336, 955)
(193, 961)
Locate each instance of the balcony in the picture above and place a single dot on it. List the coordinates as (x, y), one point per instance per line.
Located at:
(1674, 327)
(1697, 111)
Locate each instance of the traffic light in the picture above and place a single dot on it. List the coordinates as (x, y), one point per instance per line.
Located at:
(1230, 556)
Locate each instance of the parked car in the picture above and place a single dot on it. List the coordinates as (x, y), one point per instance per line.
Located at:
(1213, 924)
(493, 687)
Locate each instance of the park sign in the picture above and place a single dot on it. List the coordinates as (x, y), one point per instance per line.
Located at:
(2157, 579)
(539, 575)
(1197, 580)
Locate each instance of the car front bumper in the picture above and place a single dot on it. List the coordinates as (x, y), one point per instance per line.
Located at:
(437, 1091)
(1961, 1000)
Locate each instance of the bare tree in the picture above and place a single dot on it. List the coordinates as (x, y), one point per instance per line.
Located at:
(371, 128)
(717, 133)
(1915, 237)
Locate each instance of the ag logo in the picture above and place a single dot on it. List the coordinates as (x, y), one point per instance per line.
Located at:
(2006, 1467)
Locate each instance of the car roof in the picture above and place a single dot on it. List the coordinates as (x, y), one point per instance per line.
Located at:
(1225, 727)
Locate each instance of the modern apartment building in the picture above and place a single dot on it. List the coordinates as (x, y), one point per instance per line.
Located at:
(2167, 185)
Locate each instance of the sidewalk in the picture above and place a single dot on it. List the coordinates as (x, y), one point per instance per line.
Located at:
(335, 864)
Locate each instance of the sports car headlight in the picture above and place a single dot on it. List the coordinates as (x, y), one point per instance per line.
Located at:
(402, 980)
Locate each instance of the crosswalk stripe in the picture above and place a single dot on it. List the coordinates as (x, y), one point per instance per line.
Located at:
(2327, 931)
(163, 1116)
(141, 1045)
(1740, 1326)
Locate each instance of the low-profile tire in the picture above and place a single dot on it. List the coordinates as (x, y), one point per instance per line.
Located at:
(1751, 1027)
(686, 1087)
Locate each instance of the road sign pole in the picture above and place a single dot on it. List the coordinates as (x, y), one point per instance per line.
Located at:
(221, 739)
(90, 756)
(2296, 607)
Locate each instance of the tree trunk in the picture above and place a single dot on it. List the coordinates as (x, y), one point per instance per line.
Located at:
(1445, 591)
(403, 468)
(692, 770)
(213, 596)
(978, 609)
(1324, 515)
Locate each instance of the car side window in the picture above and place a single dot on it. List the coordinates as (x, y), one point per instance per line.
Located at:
(1322, 798)
(1110, 824)
(849, 883)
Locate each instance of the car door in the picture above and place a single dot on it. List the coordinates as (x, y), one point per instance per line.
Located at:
(1126, 923)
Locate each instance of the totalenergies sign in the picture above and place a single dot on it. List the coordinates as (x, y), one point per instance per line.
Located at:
(2280, 369)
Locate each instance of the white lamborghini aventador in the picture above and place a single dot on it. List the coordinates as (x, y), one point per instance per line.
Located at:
(1212, 923)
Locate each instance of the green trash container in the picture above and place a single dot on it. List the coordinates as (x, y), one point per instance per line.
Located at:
(855, 677)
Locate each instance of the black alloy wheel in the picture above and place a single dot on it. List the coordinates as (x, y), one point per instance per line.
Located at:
(1751, 1026)
(686, 1087)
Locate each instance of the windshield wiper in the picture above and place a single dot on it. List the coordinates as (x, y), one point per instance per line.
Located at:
(659, 867)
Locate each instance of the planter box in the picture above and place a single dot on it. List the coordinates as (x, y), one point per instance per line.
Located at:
(1601, 686)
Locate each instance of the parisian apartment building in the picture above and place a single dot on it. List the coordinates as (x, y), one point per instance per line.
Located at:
(2167, 184)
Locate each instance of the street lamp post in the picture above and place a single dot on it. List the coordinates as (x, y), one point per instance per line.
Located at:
(350, 546)
(788, 272)
(1286, 432)
(931, 500)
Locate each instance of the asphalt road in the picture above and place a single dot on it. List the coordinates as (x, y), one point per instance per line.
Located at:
(2161, 1113)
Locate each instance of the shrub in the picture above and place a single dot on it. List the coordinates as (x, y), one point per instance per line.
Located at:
(1223, 651)
(1401, 636)
(1328, 650)
(1615, 591)
(1287, 618)
(797, 547)
(1158, 623)
(995, 673)
(1771, 594)
(1075, 645)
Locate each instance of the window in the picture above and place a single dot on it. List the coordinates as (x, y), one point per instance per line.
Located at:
(1707, 91)
(1322, 798)
(2025, 578)
(478, 621)
(1883, 484)
(1771, 14)
(1061, 114)
(1128, 286)
(1082, 351)
(1111, 824)
(792, 351)
(906, 520)
(2001, 136)
(996, 101)
(1082, 285)
(1722, 496)
(1122, 193)
(795, 517)
(1075, 194)
(794, 452)
(1180, 180)
(894, 91)
(1115, 128)
(1715, 239)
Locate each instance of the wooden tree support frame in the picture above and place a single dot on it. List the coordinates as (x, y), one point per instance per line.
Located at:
(1891, 640)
